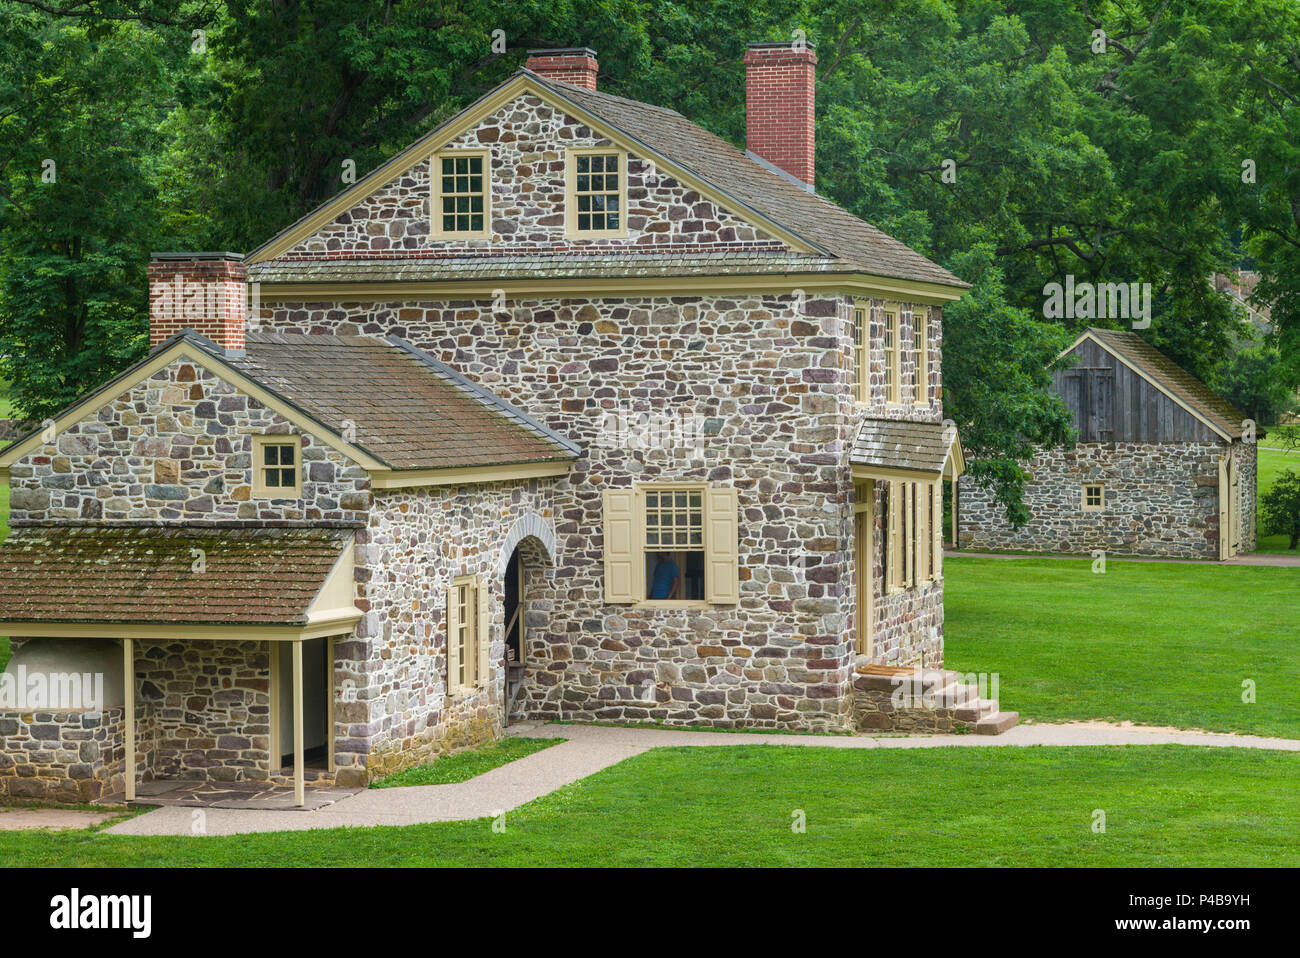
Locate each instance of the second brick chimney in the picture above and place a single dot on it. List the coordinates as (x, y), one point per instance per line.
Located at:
(575, 65)
(205, 292)
(780, 79)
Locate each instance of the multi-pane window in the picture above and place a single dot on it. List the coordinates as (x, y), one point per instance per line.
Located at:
(674, 544)
(921, 386)
(276, 471)
(890, 340)
(596, 193)
(861, 369)
(1094, 496)
(465, 659)
(462, 194)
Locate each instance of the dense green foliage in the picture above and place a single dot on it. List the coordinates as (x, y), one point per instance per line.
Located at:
(1115, 165)
(1157, 643)
(1256, 379)
(1166, 806)
(1279, 508)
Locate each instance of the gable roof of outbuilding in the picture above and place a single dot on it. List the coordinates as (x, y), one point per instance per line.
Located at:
(1170, 378)
(812, 225)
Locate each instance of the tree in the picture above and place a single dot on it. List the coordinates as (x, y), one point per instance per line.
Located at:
(1279, 508)
(78, 210)
(1254, 380)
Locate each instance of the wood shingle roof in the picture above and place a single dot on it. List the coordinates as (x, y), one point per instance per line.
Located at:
(147, 575)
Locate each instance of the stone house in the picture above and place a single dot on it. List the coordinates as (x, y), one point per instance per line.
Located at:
(1162, 467)
(570, 410)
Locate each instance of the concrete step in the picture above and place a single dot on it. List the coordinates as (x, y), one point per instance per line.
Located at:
(956, 694)
(997, 723)
(976, 709)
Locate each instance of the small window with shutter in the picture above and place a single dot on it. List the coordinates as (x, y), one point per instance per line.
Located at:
(672, 544)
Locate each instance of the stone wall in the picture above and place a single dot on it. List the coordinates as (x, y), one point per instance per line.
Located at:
(1245, 457)
(61, 756)
(203, 711)
(1161, 500)
(177, 448)
(393, 710)
(768, 380)
(527, 140)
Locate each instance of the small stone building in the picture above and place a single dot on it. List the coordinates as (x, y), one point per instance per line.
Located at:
(554, 415)
(1162, 466)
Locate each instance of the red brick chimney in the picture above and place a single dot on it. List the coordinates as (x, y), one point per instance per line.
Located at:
(780, 79)
(205, 292)
(575, 65)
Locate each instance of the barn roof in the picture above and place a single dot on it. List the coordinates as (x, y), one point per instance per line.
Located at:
(1170, 378)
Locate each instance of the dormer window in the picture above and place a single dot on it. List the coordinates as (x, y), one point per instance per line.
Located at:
(461, 196)
(596, 200)
(277, 472)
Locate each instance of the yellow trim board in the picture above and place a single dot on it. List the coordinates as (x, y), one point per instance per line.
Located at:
(859, 284)
(91, 404)
(904, 475)
(464, 475)
(341, 624)
(431, 143)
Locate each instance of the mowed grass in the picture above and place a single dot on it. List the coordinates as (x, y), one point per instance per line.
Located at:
(1272, 462)
(1154, 643)
(462, 766)
(735, 806)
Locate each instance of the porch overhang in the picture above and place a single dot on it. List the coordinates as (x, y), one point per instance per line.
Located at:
(146, 583)
(893, 449)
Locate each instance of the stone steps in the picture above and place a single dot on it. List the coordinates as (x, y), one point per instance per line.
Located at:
(888, 698)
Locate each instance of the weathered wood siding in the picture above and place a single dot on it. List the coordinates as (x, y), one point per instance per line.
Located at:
(1112, 403)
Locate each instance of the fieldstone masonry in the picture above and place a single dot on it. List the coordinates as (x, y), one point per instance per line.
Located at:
(1161, 499)
(73, 756)
(178, 448)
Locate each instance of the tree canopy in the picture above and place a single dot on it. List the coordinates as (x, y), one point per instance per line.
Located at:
(1017, 142)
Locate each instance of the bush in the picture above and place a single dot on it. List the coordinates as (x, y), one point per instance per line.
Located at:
(1279, 508)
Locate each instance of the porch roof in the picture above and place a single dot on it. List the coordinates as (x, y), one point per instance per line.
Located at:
(185, 577)
(894, 448)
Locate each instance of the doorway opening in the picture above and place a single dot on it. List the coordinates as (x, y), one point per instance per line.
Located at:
(317, 688)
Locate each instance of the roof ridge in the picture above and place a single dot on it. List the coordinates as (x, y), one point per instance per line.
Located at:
(486, 396)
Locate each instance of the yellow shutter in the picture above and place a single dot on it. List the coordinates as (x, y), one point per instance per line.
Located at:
(923, 503)
(722, 540)
(484, 632)
(937, 556)
(892, 578)
(1225, 541)
(621, 546)
(453, 656)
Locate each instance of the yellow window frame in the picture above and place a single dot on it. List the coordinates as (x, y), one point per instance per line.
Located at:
(572, 194)
(262, 469)
(437, 229)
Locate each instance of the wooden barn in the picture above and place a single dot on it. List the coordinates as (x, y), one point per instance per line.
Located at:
(1163, 466)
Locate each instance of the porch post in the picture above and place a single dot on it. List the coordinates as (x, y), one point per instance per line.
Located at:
(299, 781)
(128, 698)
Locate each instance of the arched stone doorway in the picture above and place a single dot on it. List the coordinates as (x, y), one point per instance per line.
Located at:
(527, 559)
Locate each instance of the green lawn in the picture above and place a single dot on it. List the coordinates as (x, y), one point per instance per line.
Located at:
(462, 766)
(1271, 463)
(1163, 805)
(1155, 643)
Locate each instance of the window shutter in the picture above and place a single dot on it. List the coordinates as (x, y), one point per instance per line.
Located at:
(620, 546)
(722, 539)
(1225, 547)
(892, 577)
(453, 624)
(936, 557)
(484, 633)
(923, 538)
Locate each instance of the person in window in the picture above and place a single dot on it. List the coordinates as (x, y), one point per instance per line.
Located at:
(668, 578)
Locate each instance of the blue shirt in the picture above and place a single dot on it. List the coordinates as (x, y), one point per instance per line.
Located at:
(665, 573)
